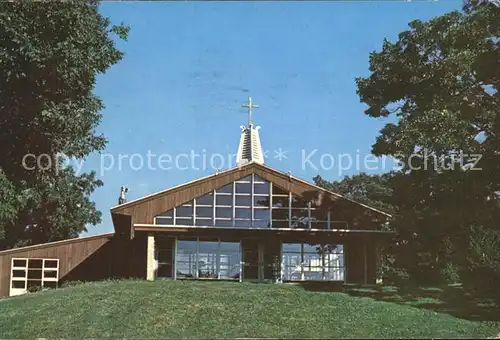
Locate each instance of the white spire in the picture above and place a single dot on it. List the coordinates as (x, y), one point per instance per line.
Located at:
(250, 148)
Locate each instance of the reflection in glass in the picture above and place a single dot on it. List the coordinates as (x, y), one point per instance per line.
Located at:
(251, 201)
(208, 259)
(312, 262)
(186, 259)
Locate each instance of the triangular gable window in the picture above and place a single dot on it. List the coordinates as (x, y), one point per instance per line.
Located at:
(250, 202)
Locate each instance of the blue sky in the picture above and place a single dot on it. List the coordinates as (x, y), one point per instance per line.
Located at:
(188, 67)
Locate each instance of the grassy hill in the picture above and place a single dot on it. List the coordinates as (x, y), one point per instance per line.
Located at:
(168, 309)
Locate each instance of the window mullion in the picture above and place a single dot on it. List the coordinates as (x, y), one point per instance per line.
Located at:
(217, 260)
(234, 204)
(252, 201)
(290, 209)
(196, 274)
(270, 204)
(302, 261)
(309, 215)
(213, 204)
(194, 211)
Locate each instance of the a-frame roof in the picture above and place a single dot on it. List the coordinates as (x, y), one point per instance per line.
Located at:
(144, 209)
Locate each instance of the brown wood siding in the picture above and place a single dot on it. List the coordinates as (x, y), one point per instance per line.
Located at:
(70, 254)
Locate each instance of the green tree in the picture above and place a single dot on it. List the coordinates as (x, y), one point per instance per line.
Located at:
(372, 190)
(438, 84)
(50, 55)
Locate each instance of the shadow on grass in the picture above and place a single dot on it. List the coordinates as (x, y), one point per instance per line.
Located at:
(453, 300)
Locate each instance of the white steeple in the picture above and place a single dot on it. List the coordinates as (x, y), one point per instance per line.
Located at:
(250, 148)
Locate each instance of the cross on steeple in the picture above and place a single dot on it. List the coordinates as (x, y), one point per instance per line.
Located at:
(250, 106)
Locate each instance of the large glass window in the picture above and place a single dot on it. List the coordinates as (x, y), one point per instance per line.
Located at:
(250, 202)
(199, 258)
(312, 262)
(186, 259)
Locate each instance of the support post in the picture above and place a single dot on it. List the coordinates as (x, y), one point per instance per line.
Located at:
(174, 260)
(150, 270)
(365, 261)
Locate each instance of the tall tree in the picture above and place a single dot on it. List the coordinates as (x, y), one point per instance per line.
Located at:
(50, 55)
(440, 80)
(373, 190)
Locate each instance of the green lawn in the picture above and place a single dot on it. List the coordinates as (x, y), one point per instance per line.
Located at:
(168, 309)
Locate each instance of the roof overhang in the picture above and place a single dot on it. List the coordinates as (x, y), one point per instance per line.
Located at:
(185, 229)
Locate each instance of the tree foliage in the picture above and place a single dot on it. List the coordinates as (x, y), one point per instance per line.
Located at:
(439, 85)
(50, 55)
(372, 190)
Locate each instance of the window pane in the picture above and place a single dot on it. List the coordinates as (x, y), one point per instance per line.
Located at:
(205, 200)
(229, 260)
(300, 218)
(18, 273)
(184, 221)
(298, 202)
(204, 222)
(261, 201)
(19, 284)
(243, 188)
(245, 179)
(291, 247)
(312, 248)
(258, 179)
(226, 189)
(223, 223)
(50, 274)
(207, 259)
(35, 274)
(229, 247)
(50, 264)
(261, 223)
(320, 215)
(224, 212)
(169, 213)
(261, 188)
(319, 225)
(280, 202)
(224, 199)
(261, 214)
(244, 201)
(186, 259)
(164, 221)
(204, 212)
(280, 224)
(19, 263)
(34, 264)
(184, 211)
(280, 214)
(243, 223)
(243, 213)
